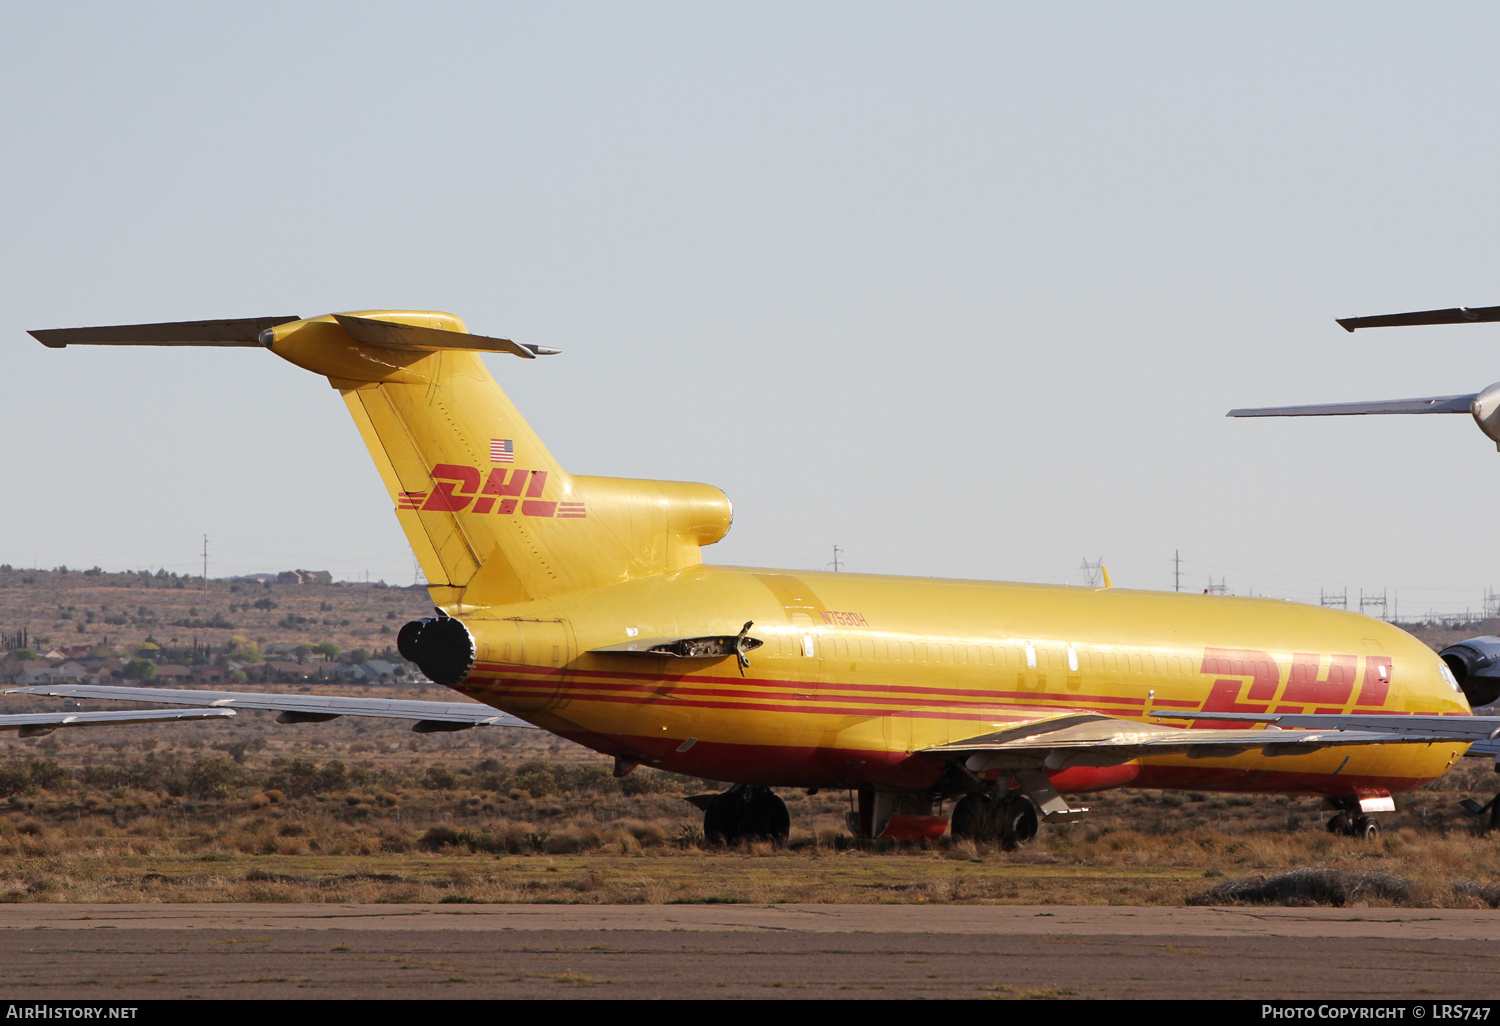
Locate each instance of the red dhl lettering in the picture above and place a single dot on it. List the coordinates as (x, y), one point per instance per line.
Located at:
(1324, 683)
(505, 491)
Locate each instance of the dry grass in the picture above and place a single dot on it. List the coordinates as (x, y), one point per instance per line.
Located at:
(596, 846)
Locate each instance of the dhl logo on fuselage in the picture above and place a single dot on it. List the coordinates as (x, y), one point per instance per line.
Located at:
(1314, 683)
(506, 491)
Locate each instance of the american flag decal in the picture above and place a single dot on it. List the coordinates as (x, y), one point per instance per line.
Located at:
(570, 509)
(502, 450)
(410, 500)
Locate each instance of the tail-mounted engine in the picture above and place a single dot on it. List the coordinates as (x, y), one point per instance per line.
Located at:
(441, 646)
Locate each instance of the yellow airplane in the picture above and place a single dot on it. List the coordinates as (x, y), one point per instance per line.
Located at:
(582, 605)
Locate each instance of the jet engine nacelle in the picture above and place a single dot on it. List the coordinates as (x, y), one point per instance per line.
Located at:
(1486, 412)
(1475, 662)
(441, 646)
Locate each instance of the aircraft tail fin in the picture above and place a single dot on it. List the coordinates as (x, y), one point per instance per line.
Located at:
(491, 515)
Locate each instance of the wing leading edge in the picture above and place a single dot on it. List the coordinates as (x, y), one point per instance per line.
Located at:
(430, 717)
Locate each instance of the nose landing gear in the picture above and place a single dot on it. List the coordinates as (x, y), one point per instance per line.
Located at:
(1352, 823)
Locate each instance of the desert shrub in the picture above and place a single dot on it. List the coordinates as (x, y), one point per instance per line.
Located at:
(32, 775)
(300, 778)
(214, 777)
(535, 778)
(439, 837)
(439, 778)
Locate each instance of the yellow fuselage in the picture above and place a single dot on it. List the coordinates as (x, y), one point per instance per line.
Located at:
(859, 674)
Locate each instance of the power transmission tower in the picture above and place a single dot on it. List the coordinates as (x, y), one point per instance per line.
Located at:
(1091, 572)
(1176, 569)
(205, 566)
(1334, 600)
(1372, 601)
(836, 564)
(1216, 589)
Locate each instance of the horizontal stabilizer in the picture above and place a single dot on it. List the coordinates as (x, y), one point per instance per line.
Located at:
(467, 713)
(244, 331)
(1454, 315)
(1432, 404)
(394, 335)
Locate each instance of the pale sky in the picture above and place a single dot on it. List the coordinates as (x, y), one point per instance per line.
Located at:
(965, 289)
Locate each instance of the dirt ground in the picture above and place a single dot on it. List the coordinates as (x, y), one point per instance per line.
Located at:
(125, 953)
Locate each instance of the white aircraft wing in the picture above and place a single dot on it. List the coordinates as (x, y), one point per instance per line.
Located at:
(1031, 750)
(37, 724)
(1399, 726)
(1431, 404)
(1092, 739)
(430, 717)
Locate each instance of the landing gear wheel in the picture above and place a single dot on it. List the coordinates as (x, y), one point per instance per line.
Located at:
(765, 817)
(1366, 829)
(746, 812)
(1017, 820)
(973, 819)
(1008, 821)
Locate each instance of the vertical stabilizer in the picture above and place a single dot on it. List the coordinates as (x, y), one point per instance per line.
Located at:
(491, 516)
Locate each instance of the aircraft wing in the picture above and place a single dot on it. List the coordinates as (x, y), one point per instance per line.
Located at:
(1030, 750)
(1431, 404)
(37, 724)
(1468, 729)
(430, 717)
(1452, 315)
(1091, 739)
(1489, 746)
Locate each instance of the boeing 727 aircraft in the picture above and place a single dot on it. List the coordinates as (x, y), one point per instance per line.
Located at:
(582, 605)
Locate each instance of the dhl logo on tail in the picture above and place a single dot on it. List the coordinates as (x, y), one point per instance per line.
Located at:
(456, 487)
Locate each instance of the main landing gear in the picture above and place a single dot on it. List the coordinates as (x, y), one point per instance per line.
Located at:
(745, 812)
(1008, 819)
(1350, 822)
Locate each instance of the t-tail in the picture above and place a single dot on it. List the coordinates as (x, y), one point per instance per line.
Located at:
(1483, 406)
(492, 517)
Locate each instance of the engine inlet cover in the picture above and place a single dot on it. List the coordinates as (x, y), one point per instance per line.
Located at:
(442, 648)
